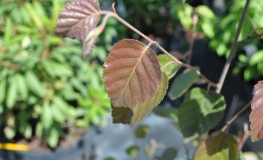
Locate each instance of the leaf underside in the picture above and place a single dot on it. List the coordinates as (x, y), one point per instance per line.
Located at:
(256, 119)
(127, 115)
(132, 73)
(77, 19)
(221, 146)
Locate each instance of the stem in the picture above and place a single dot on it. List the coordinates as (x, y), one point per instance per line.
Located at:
(245, 137)
(235, 116)
(167, 64)
(251, 38)
(109, 13)
(233, 48)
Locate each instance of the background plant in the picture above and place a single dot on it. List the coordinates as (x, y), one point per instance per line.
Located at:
(46, 89)
(136, 82)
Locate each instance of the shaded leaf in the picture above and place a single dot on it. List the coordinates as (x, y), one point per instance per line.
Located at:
(221, 146)
(2, 90)
(132, 73)
(200, 112)
(141, 131)
(182, 83)
(130, 116)
(169, 154)
(77, 19)
(256, 114)
(259, 31)
(170, 70)
(133, 151)
(167, 112)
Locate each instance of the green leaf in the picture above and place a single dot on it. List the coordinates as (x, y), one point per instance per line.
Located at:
(167, 112)
(221, 146)
(53, 137)
(22, 87)
(8, 31)
(170, 70)
(11, 94)
(10, 132)
(39, 129)
(2, 90)
(33, 84)
(169, 154)
(47, 115)
(205, 12)
(130, 116)
(256, 58)
(259, 31)
(182, 83)
(133, 151)
(200, 112)
(141, 131)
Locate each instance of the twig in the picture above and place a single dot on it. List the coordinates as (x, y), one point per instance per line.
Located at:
(167, 64)
(235, 116)
(113, 7)
(109, 13)
(245, 137)
(233, 48)
(251, 38)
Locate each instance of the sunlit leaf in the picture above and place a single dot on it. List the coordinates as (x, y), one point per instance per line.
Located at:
(141, 131)
(53, 137)
(205, 12)
(221, 146)
(33, 84)
(130, 116)
(77, 19)
(256, 58)
(200, 112)
(132, 73)
(167, 112)
(256, 114)
(170, 70)
(182, 83)
(133, 151)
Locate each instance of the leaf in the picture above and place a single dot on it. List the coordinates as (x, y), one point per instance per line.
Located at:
(170, 70)
(133, 151)
(205, 12)
(259, 31)
(132, 73)
(221, 146)
(2, 90)
(169, 154)
(167, 112)
(53, 137)
(256, 114)
(33, 84)
(77, 19)
(256, 58)
(11, 94)
(46, 116)
(127, 115)
(141, 131)
(200, 112)
(22, 88)
(182, 83)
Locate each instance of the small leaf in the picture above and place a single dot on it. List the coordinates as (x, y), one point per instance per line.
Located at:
(221, 146)
(256, 58)
(132, 73)
(256, 114)
(259, 31)
(46, 116)
(169, 154)
(2, 90)
(200, 112)
(33, 84)
(167, 112)
(133, 151)
(182, 83)
(11, 94)
(141, 131)
(53, 137)
(205, 12)
(170, 70)
(77, 19)
(22, 87)
(127, 115)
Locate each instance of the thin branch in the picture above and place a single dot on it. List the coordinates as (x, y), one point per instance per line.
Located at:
(233, 48)
(245, 137)
(113, 7)
(167, 64)
(259, 36)
(157, 45)
(235, 116)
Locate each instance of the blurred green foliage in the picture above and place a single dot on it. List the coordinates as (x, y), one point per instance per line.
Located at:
(45, 85)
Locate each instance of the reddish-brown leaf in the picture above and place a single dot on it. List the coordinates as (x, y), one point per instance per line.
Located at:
(256, 116)
(132, 74)
(77, 19)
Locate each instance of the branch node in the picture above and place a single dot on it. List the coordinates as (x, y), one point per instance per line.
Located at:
(113, 7)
